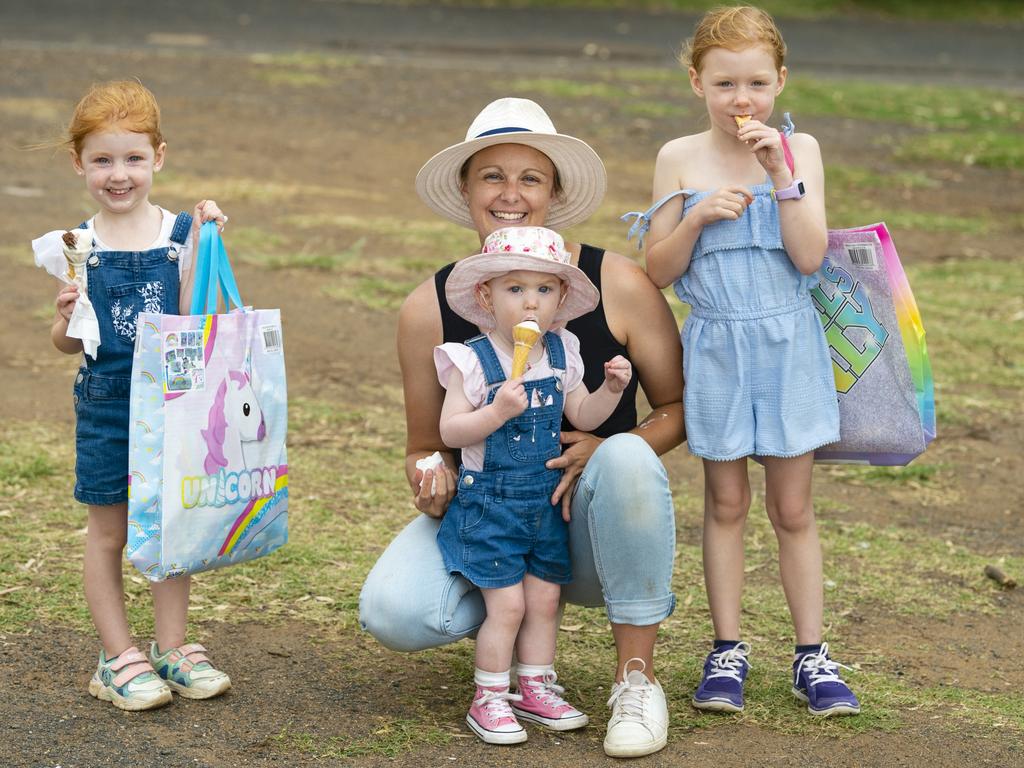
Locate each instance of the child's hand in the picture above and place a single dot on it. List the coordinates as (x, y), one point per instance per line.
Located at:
(727, 203)
(617, 373)
(207, 210)
(510, 399)
(66, 300)
(766, 144)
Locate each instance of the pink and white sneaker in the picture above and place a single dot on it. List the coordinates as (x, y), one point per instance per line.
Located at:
(542, 703)
(491, 718)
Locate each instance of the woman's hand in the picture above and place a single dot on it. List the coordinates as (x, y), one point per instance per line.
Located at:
(766, 144)
(433, 498)
(579, 447)
(727, 203)
(67, 297)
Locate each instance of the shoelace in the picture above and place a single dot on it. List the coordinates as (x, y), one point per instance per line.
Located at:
(546, 691)
(729, 663)
(495, 703)
(632, 700)
(820, 668)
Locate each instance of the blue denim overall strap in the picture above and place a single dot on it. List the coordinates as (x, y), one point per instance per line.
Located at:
(522, 444)
(123, 283)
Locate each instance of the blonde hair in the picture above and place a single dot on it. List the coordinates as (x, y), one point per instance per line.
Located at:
(124, 104)
(733, 28)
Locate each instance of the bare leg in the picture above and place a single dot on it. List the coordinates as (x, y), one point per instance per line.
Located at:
(632, 642)
(535, 644)
(726, 503)
(170, 609)
(788, 499)
(102, 579)
(497, 635)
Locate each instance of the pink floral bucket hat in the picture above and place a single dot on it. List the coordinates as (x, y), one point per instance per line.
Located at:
(532, 249)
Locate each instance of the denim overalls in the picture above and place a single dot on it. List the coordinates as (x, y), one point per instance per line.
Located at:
(502, 523)
(120, 284)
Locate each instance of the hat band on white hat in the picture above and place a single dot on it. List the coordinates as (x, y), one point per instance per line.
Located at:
(495, 131)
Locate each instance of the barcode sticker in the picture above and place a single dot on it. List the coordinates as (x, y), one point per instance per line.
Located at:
(271, 338)
(862, 255)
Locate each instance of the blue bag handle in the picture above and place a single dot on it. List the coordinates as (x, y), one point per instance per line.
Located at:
(213, 271)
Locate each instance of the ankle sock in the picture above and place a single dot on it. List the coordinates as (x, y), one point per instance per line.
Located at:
(535, 670)
(486, 679)
(802, 650)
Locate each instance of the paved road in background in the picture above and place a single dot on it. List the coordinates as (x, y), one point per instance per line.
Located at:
(865, 48)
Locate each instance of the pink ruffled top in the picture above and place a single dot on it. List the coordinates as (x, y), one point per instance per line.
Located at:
(459, 356)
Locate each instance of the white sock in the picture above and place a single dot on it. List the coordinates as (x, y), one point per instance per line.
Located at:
(534, 670)
(486, 679)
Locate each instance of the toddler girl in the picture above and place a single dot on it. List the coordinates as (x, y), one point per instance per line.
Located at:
(501, 532)
(131, 257)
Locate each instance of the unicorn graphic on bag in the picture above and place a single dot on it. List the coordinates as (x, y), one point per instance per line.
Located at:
(235, 418)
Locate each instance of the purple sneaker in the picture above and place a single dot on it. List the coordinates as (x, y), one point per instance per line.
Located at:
(721, 686)
(816, 680)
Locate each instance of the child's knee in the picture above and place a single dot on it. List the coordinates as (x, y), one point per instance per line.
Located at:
(728, 506)
(791, 516)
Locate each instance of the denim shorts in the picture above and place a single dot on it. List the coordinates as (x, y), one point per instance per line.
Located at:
(101, 438)
(502, 526)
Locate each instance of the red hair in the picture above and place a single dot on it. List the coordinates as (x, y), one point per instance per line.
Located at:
(733, 28)
(120, 104)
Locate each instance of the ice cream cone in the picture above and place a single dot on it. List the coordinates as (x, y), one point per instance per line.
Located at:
(77, 246)
(741, 119)
(525, 335)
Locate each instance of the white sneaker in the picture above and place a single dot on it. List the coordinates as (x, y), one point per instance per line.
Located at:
(639, 721)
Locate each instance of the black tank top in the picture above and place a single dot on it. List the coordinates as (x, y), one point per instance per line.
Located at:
(597, 344)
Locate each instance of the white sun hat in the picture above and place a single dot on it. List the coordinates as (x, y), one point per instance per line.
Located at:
(533, 249)
(517, 121)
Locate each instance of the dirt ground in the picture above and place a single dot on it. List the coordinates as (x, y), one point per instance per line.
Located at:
(367, 134)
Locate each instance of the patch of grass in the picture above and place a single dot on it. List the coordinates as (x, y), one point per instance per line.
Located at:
(255, 190)
(909, 475)
(930, 107)
(985, 148)
(550, 87)
(391, 738)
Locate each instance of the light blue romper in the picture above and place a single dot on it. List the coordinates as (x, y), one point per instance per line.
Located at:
(755, 361)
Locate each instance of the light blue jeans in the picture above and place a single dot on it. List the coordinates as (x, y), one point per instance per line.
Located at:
(621, 541)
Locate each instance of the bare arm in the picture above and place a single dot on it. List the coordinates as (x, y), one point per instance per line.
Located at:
(419, 331)
(804, 229)
(672, 236)
(639, 317)
(66, 299)
(588, 410)
(462, 424)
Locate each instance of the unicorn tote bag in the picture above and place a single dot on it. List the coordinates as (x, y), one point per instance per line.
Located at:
(209, 414)
(879, 358)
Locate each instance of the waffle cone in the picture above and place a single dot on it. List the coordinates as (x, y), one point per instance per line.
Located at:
(524, 335)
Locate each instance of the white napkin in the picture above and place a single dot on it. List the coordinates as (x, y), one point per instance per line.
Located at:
(433, 461)
(56, 256)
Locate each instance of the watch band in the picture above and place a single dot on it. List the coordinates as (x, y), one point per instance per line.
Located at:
(793, 192)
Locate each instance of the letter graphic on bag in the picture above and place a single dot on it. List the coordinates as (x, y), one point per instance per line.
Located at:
(876, 340)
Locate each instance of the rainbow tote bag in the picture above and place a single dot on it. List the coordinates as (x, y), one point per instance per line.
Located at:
(879, 358)
(208, 466)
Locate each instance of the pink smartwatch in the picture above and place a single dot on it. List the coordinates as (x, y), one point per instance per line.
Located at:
(793, 192)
